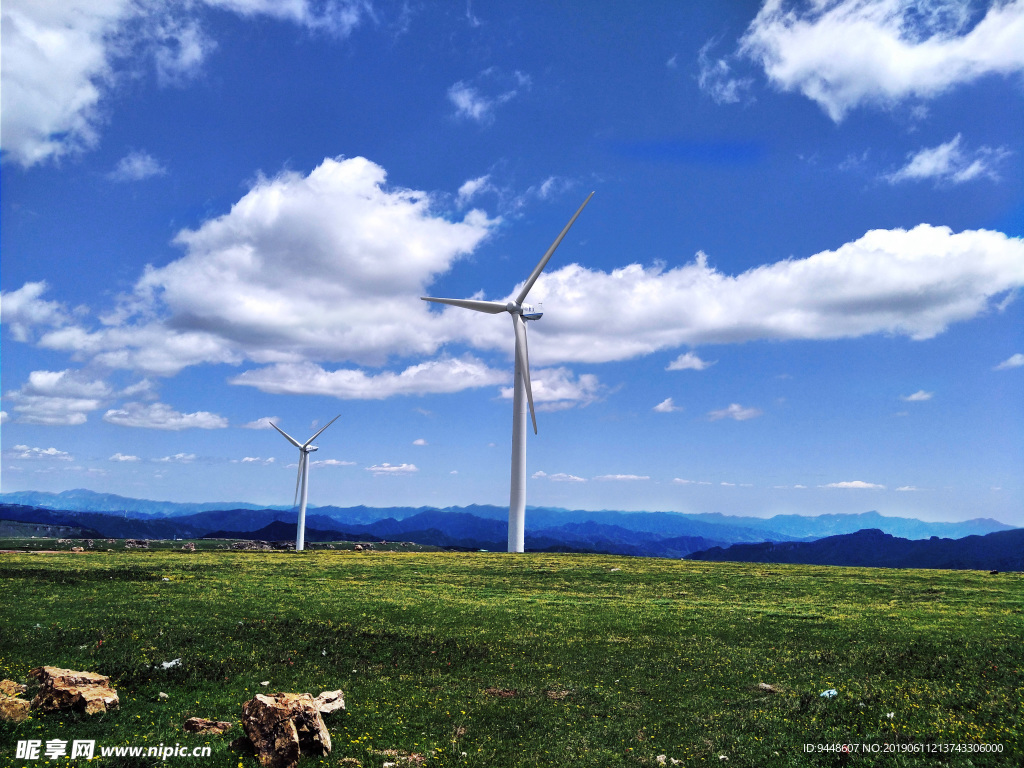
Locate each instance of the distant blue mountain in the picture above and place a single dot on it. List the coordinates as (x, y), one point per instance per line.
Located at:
(1002, 550)
(82, 500)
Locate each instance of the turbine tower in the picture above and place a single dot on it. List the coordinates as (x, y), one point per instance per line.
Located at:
(520, 314)
(302, 480)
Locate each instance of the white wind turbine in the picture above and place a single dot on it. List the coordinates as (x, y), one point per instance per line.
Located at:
(302, 480)
(520, 314)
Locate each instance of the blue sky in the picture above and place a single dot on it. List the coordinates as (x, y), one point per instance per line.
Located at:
(794, 291)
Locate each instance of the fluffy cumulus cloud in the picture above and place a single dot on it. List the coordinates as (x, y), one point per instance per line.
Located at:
(60, 59)
(667, 406)
(121, 457)
(845, 53)
(555, 389)
(244, 288)
(162, 416)
(905, 282)
(27, 452)
(950, 163)
(58, 398)
(23, 311)
(436, 376)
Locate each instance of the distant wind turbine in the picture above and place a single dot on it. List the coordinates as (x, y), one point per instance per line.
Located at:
(302, 480)
(520, 314)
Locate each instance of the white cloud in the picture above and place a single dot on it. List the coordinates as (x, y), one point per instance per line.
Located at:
(472, 188)
(918, 397)
(58, 398)
(949, 163)
(26, 452)
(854, 484)
(472, 100)
(556, 389)
(735, 411)
(3, 417)
(162, 416)
(178, 458)
(436, 376)
(263, 423)
(667, 406)
(914, 283)
(558, 477)
(242, 291)
(716, 77)
(136, 166)
(394, 470)
(621, 478)
(689, 362)
(123, 457)
(22, 310)
(1013, 361)
(845, 53)
(419, 441)
(908, 488)
(333, 463)
(61, 59)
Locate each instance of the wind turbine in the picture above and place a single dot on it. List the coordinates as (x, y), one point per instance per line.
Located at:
(302, 480)
(520, 314)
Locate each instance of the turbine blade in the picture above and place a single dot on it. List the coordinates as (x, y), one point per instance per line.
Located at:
(314, 437)
(544, 261)
(298, 477)
(523, 355)
(290, 439)
(490, 307)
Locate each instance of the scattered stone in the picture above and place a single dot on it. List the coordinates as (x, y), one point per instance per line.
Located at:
(188, 547)
(164, 579)
(284, 726)
(265, 683)
(163, 696)
(136, 544)
(557, 694)
(252, 546)
(350, 762)
(66, 689)
(78, 549)
(329, 701)
(170, 664)
(769, 688)
(831, 693)
(202, 725)
(90, 543)
(358, 548)
(13, 709)
(11, 688)
(613, 570)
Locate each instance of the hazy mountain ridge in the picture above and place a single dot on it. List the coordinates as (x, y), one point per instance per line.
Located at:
(1001, 550)
(713, 526)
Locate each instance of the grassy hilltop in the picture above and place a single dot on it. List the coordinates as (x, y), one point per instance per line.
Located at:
(529, 660)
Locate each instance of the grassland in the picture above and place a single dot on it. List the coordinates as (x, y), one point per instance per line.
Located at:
(530, 660)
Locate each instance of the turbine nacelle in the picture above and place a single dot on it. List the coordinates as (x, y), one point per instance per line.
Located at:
(309, 448)
(525, 311)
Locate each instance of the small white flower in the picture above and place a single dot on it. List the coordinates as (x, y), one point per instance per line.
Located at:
(890, 715)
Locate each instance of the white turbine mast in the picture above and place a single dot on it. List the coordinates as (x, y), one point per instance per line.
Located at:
(520, 314)
(302, 480)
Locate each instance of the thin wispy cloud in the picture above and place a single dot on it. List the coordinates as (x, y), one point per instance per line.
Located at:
(124, 457)
(392, 470)
(162, 416)
(478, 99)
(621, 478)
(950, 163)
(1013, 361)
(855, 484)
(558, 477)
(136, 166)
(736, 412)
(918, 397)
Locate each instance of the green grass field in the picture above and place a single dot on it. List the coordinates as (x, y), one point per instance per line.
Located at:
(548, 660)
